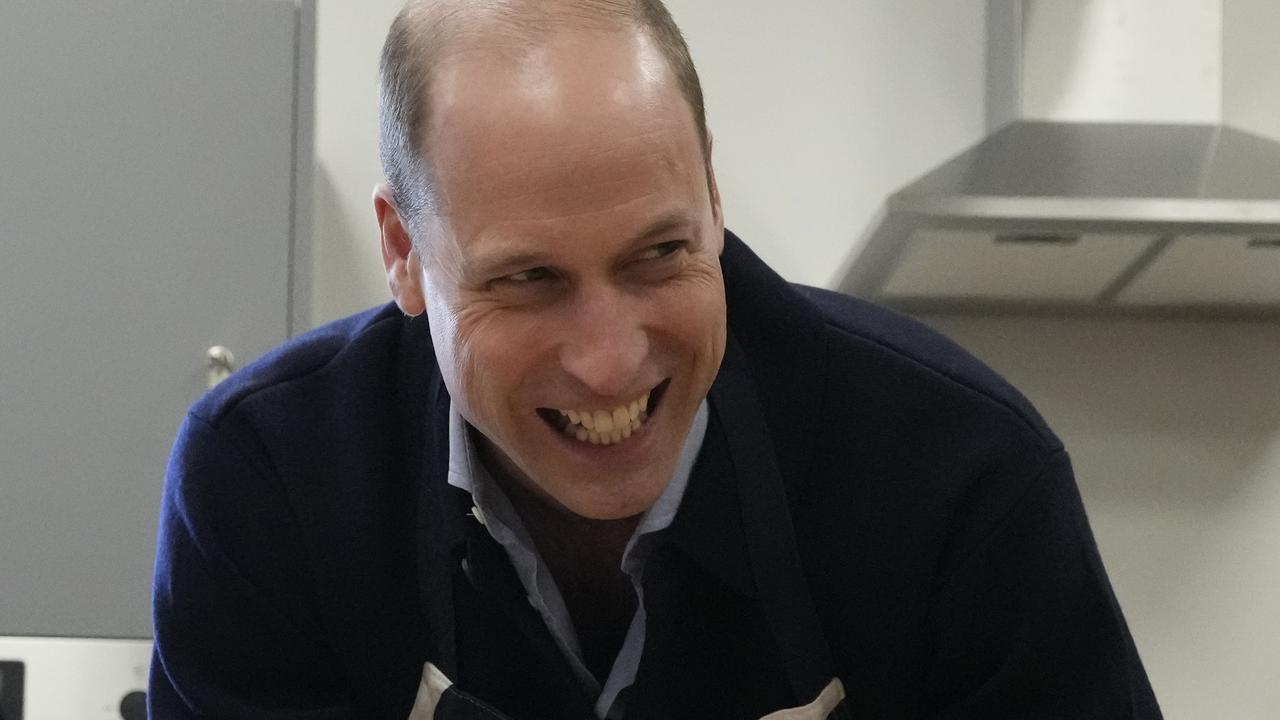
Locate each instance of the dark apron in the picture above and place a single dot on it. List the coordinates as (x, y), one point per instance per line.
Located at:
(771, 539)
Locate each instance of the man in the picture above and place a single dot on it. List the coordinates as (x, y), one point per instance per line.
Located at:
(597, 460)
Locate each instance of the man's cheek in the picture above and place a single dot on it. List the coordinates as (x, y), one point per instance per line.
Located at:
(479, 343)
(691, 317)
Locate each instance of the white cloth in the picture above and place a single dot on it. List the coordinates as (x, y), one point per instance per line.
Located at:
(434, 684)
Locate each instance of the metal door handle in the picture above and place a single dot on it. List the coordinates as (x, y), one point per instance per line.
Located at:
(221, 364)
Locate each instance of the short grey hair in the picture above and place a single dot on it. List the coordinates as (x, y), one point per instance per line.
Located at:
(425, 28)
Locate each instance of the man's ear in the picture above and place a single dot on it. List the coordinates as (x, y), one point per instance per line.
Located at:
(399, 257)
(717, 211)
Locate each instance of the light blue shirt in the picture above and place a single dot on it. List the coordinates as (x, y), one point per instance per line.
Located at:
(494, 510)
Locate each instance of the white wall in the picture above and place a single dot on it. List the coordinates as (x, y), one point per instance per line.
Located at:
(818, 113)
(346, 263)
(1174, 61)
(821, 111)
(1123, 60)
(1174, 429)
(1251, 68)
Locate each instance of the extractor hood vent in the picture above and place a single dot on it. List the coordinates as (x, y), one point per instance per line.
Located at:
(1086, 217)
(1097, 191)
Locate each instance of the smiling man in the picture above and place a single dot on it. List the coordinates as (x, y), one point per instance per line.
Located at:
(597, 460)
(569, 266)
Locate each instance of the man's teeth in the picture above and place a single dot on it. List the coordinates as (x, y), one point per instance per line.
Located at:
(605, 427)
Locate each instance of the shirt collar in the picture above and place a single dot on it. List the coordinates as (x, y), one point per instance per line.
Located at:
(497, 514)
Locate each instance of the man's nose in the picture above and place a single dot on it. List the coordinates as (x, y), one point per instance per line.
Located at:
(606, 343)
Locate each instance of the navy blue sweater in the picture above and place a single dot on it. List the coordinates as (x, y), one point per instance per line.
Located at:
(312, 557)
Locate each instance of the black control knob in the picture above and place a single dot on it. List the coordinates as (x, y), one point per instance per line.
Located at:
(134, 706)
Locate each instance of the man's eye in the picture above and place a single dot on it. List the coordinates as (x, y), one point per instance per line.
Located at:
(662, 250)
(530, 275)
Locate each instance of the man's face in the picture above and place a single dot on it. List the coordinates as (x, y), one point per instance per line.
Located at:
(572, 280)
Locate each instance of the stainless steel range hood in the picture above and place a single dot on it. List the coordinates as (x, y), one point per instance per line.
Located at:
(1127, 176)
(1085, 217)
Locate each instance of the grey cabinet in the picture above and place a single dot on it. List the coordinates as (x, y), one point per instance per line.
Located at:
(154, 165)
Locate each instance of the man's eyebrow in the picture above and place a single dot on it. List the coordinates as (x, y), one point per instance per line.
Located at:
(497, 263)
(665, 224)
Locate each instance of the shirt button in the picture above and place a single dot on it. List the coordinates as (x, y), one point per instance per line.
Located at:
(479, 516)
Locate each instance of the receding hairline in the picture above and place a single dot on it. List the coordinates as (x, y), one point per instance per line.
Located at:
(449, 19)
(442, 29)
(427, 32)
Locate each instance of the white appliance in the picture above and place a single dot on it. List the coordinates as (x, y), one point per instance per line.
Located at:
(44, 678)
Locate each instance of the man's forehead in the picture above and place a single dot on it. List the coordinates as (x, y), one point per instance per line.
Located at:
(579, 131)
(588, 104)
(560, 190)
(593, 69)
